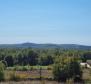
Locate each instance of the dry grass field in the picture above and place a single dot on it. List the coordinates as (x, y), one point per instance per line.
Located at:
(32, 82)
(35, 74)
(32, 77)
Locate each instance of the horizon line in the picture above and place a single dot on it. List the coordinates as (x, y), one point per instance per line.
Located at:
(44, 43)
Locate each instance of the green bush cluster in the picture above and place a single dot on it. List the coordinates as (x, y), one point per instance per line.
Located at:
(2, 67)
(67, 68)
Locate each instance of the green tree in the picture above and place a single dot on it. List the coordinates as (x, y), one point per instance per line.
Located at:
(9, 60)
(66, 68)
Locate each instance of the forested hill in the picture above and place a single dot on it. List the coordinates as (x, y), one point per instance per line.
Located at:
(34, 45)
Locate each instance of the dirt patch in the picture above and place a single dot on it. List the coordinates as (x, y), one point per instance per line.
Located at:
(35, 74)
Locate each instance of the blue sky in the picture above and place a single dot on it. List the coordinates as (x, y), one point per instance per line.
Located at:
(45, 21)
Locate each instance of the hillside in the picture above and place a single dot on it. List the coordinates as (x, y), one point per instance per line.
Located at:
(34, 45)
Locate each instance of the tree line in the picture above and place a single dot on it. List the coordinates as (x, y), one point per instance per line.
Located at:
(28, 56)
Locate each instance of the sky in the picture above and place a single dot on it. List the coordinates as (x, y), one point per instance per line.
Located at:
(45, 21)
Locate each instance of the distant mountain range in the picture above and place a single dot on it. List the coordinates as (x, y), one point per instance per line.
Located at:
(34, 45)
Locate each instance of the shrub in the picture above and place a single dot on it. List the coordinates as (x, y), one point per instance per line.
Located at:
(24, 68)
(31, 68)
(14, 77)
(1, 71)
(66, 68)
(70, 81)
(1, 75)
(49, 68)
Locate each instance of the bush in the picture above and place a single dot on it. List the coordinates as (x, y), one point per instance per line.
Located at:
(22, 68)
(1, 76)
(66, 68)
(1, 71)
(49, 68)
(70, 81)
(14, 77)
(31, 68)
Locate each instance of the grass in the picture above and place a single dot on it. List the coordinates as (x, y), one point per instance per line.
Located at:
(24, 75)
(87, 75)
(27, 68)
(32, 82)
(34, 75)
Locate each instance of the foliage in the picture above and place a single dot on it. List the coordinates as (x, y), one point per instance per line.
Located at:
(25, 59)
(9, 60)
(1, 71)
(14, 77)
(66, 68)
(28, 56)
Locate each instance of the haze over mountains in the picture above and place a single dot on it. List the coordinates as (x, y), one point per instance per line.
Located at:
(35, 45)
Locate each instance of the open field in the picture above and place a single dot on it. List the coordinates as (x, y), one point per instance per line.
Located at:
(32, 82)
(34, 74)
(33, 77)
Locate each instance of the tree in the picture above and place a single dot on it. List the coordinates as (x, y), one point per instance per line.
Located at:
(9, 60)
(74, 69)
(66, 68)
(46, 59)
(32, 57)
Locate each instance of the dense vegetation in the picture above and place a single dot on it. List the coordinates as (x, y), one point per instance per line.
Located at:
(11, 57)
(2, 67)
(65, 64)
(68, 68)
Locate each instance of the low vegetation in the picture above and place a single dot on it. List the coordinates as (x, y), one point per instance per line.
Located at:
(2, 67)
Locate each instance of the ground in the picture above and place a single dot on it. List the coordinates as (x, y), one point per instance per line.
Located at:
(32, 77)
(32, 82)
